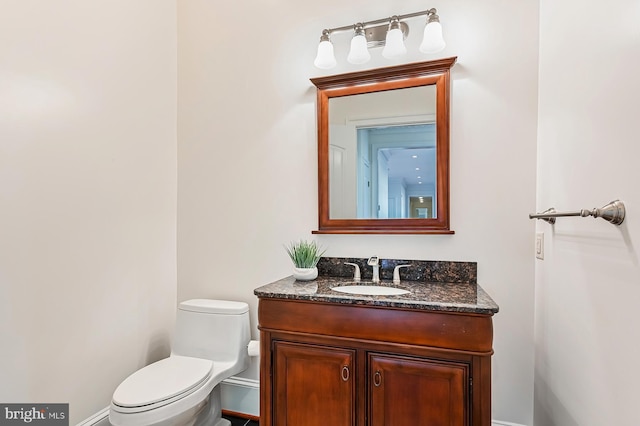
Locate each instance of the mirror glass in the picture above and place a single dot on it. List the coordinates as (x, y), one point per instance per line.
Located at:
(382, 155)
(383, 150)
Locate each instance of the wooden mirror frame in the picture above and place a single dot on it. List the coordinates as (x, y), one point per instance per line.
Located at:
(397, 77)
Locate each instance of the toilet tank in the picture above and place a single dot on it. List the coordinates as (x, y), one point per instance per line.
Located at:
(218, 330)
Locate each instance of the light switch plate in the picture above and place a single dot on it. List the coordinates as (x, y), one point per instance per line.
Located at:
(540, 245)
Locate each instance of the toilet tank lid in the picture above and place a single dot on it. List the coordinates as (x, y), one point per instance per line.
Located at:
(211, 306)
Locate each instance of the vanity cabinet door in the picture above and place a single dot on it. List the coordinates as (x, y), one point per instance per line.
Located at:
(313, 385)
(407, 391)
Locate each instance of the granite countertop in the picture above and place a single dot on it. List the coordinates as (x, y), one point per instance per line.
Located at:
(424, 295)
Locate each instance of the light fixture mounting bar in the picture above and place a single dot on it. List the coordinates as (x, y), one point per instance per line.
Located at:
(381, 21)
(376, 35)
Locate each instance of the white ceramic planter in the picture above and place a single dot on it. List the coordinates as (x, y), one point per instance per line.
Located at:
(305, 274)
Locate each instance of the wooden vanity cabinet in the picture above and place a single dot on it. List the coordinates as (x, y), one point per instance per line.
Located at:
(353, 365)
(313, 385)
(402, 391)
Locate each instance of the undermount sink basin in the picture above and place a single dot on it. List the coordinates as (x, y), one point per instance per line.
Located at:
(371, 290)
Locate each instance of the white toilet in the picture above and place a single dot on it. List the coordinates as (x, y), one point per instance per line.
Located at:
(210, 344)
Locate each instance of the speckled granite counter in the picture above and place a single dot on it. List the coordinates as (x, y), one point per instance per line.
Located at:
(434, 296)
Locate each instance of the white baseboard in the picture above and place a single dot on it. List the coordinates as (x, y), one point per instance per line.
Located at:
(101, 418)
(241, 395)
(499, 423)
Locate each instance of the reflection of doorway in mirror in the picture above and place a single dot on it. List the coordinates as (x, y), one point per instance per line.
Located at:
(396, 162)
(421, 207)
(342, 173)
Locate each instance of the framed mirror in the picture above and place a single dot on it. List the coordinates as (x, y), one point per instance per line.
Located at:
(383, 150)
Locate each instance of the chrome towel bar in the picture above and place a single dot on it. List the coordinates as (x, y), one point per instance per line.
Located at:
(613, 212)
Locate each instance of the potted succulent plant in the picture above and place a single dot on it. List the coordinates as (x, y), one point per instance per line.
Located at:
(305, 256)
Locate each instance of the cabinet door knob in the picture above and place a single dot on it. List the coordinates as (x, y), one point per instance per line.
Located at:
(345, 373)
(377, 378)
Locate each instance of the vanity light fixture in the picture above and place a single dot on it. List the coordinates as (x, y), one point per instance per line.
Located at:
(388, 32)
(359, 52)
(432, 40)
(325, 58)
(394, 41)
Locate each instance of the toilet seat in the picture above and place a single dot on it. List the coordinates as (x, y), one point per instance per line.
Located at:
(161, 383)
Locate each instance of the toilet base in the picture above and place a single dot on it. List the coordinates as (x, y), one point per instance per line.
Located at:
(211, 415)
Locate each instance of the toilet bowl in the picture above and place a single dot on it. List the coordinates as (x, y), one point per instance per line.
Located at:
(210, 345)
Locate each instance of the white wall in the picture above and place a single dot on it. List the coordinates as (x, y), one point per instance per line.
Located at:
(87, 196)
(247, 154)
(588, 286)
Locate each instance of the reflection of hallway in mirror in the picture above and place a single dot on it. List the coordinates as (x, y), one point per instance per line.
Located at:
(396, 171)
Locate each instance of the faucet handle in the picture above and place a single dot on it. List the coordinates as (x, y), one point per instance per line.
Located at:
(373, 261)
(396, 273)
(356, 272)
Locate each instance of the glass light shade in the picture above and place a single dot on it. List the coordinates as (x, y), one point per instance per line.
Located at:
(394, 45)
(432, 41)
(359, 53)
(325, 59)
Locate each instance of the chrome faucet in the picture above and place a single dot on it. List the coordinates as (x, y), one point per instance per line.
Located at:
(374, 263)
